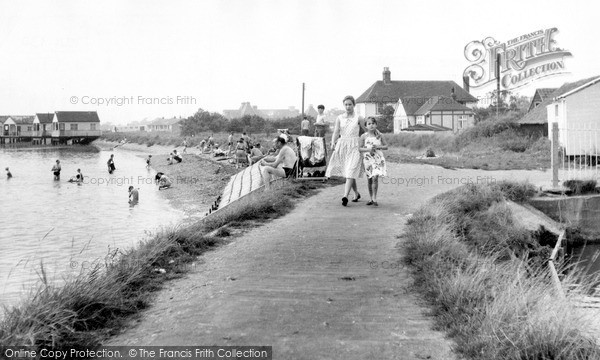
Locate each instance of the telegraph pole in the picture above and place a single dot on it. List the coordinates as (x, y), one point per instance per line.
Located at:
(497, 85)
(302, 100)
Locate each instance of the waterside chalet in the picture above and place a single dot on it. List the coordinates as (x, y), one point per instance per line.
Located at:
(61, 127)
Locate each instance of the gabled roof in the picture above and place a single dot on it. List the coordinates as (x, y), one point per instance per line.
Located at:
(540, 95)
(539, 115)
(22, 120)
(311, 111)
(77, 116)
(395, 90)
(45, 118)
(545, 93)
(440, 103)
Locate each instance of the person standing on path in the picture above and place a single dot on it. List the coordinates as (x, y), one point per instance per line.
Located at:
(371, 145)
(56, 170)
(305, 126)
(346, 160)
(320, 122)
(8, 174)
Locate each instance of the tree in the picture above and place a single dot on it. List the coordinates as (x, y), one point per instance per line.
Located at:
(203, 121)
(385, 123)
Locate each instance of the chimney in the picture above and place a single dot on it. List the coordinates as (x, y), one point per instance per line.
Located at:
(453, 94)
(387, 75)
(466, 83)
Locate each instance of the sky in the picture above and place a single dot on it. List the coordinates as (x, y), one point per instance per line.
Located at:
(171, 58)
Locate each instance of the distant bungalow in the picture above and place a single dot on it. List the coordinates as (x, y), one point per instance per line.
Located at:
(171, 125)
(61, 127)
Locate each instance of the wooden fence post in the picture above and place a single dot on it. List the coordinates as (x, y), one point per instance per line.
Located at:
(555, 159)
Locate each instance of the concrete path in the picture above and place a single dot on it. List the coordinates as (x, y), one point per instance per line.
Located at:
(323, 282)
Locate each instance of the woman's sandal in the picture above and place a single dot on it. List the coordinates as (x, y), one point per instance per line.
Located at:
(357, 197)
(375, 203)
(344, 201)
(370, 202)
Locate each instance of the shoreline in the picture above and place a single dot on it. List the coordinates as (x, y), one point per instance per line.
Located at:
(197, 181)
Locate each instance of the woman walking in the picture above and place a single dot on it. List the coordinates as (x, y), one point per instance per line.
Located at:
(346, 160)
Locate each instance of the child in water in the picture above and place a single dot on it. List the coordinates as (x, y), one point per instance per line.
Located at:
(56, 170)
(371, 144)
(111, 164)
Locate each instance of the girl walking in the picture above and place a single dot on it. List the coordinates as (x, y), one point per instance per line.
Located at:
(371, 144)
(346, 160)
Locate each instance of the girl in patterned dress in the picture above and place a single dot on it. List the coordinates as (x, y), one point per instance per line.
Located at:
(346, 160)
(371, 144)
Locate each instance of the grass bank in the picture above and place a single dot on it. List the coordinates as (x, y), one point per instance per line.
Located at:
(94, 305)
(487, 281)
(489, 145)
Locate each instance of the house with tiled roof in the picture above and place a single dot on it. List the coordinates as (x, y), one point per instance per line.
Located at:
(450, 104)
(536, 120)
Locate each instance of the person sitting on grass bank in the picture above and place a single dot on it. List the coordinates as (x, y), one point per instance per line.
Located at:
(177, 157)
(283, 164)
(163, 181)
(255, 154)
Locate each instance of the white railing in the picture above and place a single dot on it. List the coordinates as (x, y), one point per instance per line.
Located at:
(575, 151)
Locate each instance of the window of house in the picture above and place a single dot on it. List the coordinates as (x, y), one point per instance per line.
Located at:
(61, 126)
(73, 127)
(556, 110)
(462, 121)
(379, 109)
(92, 126)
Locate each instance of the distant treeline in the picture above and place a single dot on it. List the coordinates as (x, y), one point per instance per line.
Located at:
(204, 121)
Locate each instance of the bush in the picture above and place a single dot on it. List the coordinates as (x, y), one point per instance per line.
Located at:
(579, 187)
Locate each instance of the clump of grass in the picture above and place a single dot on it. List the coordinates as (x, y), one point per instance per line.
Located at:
(486, 285)
(579, 187)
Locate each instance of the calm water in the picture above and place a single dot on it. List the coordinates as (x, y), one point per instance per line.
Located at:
(67, 226)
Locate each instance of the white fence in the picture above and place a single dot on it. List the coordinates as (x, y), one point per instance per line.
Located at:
(575, 151)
